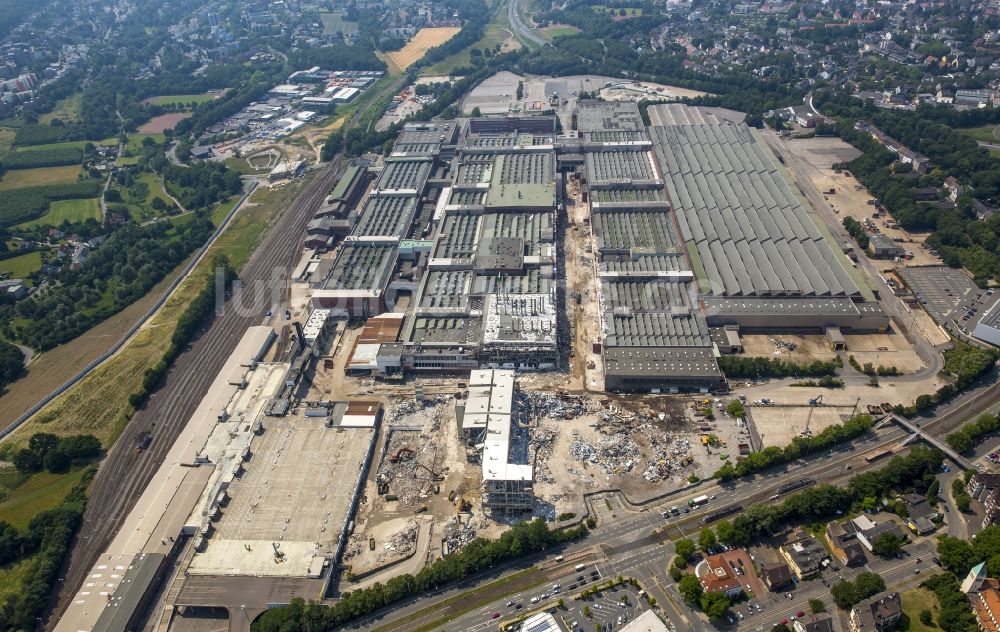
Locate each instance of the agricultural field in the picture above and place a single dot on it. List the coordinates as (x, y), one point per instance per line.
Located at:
(6, 140)
(72, 211)
(984, 133)
(182, 99)
(334, 22)
(19, 178)
(21, 266)
(424, 40)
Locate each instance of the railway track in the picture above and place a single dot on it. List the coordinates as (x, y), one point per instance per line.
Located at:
(124, 474)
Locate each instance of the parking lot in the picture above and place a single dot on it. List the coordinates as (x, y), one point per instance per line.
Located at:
(946, 293)
(610, 608)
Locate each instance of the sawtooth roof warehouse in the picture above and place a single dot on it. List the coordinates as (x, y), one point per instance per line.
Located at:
(695, 229)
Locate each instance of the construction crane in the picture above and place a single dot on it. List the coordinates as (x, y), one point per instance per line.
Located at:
(813, 403)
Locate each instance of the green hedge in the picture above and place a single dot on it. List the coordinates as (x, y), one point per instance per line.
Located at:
(747, 367)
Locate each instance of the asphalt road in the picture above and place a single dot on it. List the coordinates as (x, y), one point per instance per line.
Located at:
(124, 474)
(519, 26)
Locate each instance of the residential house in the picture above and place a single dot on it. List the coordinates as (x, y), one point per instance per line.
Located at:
(878, 614)
(776, 575)
(986, 605)
(13, 289)
(721, 576)
(954, 187)
(843, 540)
(804, 557)
(822, 622)
(983, 211)
(985, 487)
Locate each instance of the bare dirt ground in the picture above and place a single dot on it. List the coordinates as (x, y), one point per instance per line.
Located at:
(778, 425)
(582, 294)
(884, 349)
(424, 40)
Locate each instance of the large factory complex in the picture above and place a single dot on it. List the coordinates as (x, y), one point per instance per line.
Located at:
(453, 243)
(449, 255)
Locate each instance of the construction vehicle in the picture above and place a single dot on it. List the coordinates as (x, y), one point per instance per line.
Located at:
(395, 458)
(813, 403)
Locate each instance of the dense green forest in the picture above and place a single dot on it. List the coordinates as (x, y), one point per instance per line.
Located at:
(11, 364)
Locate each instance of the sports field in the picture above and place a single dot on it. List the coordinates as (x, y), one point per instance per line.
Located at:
(424, 40)
(72, 211)
(18, 178)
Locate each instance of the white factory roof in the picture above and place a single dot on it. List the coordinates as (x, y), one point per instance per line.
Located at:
(314, 324)
(498, 385)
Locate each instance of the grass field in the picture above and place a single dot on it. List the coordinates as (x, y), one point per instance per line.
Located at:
(40, 492)
(424, 40)
(915, 601)
(72, 211)
(135, 141)
(983, 133)
(18, 178)
(66, 110)
(334, 22)
(99, 403)
(559, 30)
(13, 577)
(75, 144)
(142, 209)
(22, 265)
(182, 99)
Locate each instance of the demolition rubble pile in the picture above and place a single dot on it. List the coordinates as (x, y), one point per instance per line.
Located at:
(401, 542)
(669, 454)
(456, 534)
(616, 453)
(559, 406)
(405, 472)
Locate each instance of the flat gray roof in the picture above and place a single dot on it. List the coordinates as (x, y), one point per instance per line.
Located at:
(615, 168)
(650, 231)
(749, 230)
(385, 216)
(404, 174)
(593, 115)
(362, 266)
(661, 362)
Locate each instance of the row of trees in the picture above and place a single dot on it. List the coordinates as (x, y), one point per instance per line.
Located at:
(524, 538)
(965, 438)
(799, 447)
(846, 593)
(50, 157)
(914, 471)
(735, 366)
(857, 230)
(194, 316)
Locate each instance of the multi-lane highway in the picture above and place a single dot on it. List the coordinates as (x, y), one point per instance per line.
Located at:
(124, 473)
(520, 28)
